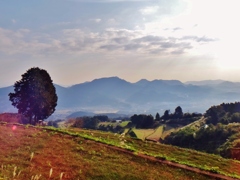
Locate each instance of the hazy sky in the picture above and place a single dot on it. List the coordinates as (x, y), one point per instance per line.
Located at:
(80, 40)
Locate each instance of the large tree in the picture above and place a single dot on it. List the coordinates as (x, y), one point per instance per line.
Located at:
(35, 95)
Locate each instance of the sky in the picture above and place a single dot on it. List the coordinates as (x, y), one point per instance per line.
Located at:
(81, 40)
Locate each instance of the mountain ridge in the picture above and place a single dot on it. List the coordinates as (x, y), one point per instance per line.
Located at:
(113, 94)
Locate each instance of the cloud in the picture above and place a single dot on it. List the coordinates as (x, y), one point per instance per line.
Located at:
(199, 39)
(177, 29)
(110, 47)
(77, 41)
(149, 10)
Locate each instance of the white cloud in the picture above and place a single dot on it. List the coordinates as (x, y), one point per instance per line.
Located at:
(111, 40)
(149, 10)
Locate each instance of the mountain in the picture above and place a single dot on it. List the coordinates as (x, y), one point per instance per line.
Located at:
(5, 104)
(80, 114)
(116, 95)
(205, 82)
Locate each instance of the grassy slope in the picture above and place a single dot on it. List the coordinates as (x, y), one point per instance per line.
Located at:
(34, 152)
(156, 135)
(143, 133)
(160, 132)
(189, 157)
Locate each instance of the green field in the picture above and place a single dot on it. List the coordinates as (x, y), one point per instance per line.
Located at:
(114, 124)
(168, 129)
(143, 133)
(124, 123)
(156, 135)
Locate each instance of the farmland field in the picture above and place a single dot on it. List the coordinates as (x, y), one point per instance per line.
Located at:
(157, 134)
(27, 152)
(143, 133)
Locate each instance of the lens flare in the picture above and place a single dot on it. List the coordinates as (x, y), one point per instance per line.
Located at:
(14, 128)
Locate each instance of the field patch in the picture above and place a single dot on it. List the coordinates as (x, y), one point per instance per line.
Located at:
(143, 133)
(168, 129)
(156, 135)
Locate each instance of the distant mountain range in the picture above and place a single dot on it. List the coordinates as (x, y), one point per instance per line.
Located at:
(109, 95)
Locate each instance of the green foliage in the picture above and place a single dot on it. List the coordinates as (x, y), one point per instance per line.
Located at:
(235, 117)
(102, 118)
(183, 138)
(54, 123)
(132, 134)
(86, 122)
(178, 112)
(166, 115)
(142, 121)
(223, 113)
(178, 117)
(219, 135)
(218, 139)
(35, 95)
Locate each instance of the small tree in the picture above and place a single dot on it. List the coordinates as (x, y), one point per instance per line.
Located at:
(178, 112)
(35, 95)
(157, 117)
(166, 115)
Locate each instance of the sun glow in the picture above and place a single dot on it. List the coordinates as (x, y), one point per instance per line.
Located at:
(218, 19)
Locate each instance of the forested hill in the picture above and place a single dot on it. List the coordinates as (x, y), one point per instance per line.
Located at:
(117, 95)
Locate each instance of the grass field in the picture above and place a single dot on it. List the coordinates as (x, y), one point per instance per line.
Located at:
(143, 133)
(114, 124)
(30, 153)
(209, 162)
(157, 134)
(124, 123)
(169, 129)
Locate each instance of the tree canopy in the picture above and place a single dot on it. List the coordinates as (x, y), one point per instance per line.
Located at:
(178, 112)
(34, 95)
(142, 120)
(157, 117)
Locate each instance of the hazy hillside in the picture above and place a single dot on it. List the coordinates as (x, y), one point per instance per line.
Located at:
(117, 95)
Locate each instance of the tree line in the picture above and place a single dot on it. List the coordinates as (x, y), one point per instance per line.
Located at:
(94, 123)
(178, 117)
(224, 113)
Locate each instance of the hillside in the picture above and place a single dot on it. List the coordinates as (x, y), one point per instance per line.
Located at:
(217, 132)
(27, 152)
